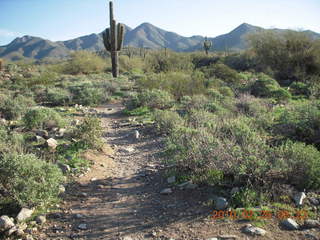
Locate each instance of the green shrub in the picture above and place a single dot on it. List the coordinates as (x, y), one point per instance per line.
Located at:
(222, 72)
(90, 132)
(299, 88)
(13, 108)
(84, 62)
(43, 118)
(155, 99)
(58, 97)
(167, 121)
(299, 163)
(226, 91)
(11, 141)
(247, 198)
(242, 61)
(29, 181)
(140, 111)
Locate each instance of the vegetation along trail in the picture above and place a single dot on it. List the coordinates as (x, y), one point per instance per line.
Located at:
(120, 198)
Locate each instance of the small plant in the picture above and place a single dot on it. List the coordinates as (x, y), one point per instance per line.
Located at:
(90, 132)
(29, 181)
(43, 118)
(167, 121)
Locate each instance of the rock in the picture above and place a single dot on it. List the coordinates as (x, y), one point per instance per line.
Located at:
(228, 237)
(83, 194)
(3, 121)
(188, 185)
(82, 226)
(220, 203)
(311, 236)
(18, 229)
(214, 238)
(78, 215)
(127, 150)
(314, 201)
(171, 179)
(127, 238)
(24, 214)
(65, 168)
(5, 223)
(309, 223)
(298, 198)
(42, 133)
(28, 237)
(290, 224)
(254, 230)
(234, 190)
(93, 179)
(61, 132)
(62, 189)
(136, 134)
(39, 139)
(166, 191)
(51, 143)
(41, 219)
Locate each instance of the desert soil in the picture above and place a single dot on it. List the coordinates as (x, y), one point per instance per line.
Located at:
(120, 197)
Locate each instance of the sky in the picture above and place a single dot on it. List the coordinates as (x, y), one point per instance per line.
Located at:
(66, 19)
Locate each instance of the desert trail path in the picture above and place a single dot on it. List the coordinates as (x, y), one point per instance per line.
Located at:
(120, 197)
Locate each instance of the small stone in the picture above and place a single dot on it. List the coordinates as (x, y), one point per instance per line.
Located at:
(93, 179)
(24, 214)
(83, 194)
(314, 201)
(39, 139)
(61, 132)
(5, 223)
(127, 150)
(51, 143)
(41, 219)
(75, 122)
(309, 223)
(28, 237)
(166, 191)
(42, 133)
(220, 203)
(228, 237)
(254, 230)
(62, 189)
(127, 238)
(82, 226)
(290, 224)
(78, 215)
(298, 198)
(234, 190)
(214, 238)
(65, 168)
(171, 180)
(188, 185)
(136, 134)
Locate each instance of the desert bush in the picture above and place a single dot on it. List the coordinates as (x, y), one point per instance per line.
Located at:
(11, 141)
(299, 163)
(201, 60)
(43, 118)
(172, 62)
(90, 132)
(266, 86)
(84, 62)
(89, 94)
(28, 180)
(167, 121)
(14, 107)
(130, 64)
(301, 121)
(293, 56)
(155, 99)
(300, 88)
(241, 61)
(222, 72)
(57, 97)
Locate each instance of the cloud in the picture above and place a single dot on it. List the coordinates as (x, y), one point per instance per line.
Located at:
(8, 34)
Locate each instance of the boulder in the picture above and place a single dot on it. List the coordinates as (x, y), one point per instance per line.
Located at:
(41, 219)
(24, 214)
(290, 224)
(51, 143)
(220, 203)
(166, 191)
(5, 223)
(299, 197)
(254, 230)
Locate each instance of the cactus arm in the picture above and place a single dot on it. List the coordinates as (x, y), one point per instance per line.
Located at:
(120, 36)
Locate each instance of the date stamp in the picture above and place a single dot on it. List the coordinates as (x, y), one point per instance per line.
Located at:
(260, 214)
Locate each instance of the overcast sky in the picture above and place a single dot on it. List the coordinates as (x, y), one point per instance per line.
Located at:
(67, 19)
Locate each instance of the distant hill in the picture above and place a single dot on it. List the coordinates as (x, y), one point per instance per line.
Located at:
(145, 35)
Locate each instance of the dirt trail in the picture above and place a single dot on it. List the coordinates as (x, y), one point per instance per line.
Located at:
(120, 197)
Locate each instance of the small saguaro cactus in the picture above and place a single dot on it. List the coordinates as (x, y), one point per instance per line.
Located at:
(1, 64)
(207, 44)
(113, 40)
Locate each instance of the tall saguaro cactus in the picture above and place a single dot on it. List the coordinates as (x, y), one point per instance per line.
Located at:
(207, 44)
(113, 40)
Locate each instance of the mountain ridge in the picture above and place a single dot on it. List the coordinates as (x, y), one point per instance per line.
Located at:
(145, 35)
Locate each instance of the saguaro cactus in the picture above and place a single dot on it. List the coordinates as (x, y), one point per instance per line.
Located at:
(207, 44)
(113, 40)
(1, 63)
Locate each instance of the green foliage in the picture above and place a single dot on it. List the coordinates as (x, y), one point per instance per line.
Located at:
(43, 118)
(58, 97)
(84, 62)
(300, 88)
(266, 86)
(157, 99)
(300, 163)
(71, 155)
(293, 56)
(14, 107)
(246, 198)
(222, 72)
(241, 61)
(29, 181)
(167, 121)
(90, 132)
(140, 111)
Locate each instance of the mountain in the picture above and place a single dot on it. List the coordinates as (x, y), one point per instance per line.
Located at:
(145, 35)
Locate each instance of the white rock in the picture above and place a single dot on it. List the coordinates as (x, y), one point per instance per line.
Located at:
(52, 143)
(213, 238)
(24, 214)
(309, 223)
(166, 191)
(298, 198)
(82, 226)
(188, 185)
(254, 230)
(62, 189)
(171, 179)
(41, 219)
(65, 168)
(5, 223)
(136, 134)
(290, 224)
(127, 150)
